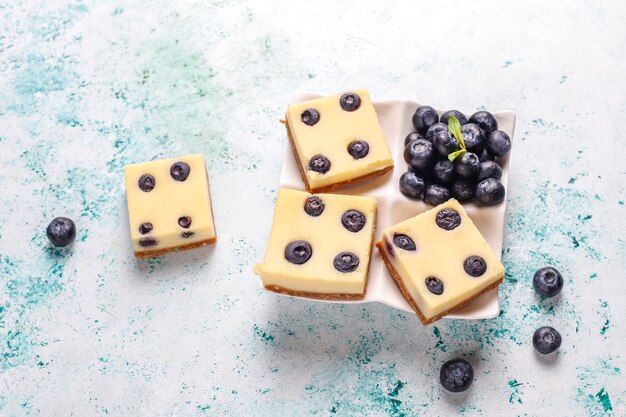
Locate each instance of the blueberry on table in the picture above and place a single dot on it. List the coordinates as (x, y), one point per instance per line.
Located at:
(485, 121)
(411, 137)
(436, 128)
(423, 118)
(314, 206)
(489, 169)
(463, 189)
(498, 143)
(319, 163)
(358, 149)
(353, 220)
(412, 185)
(548, 282)
(346, 262)
(419, 154)
(434, 285)
(436, 194)
(467, 165)
(485, 156)
(459, 116)
(490, 192)
(443, 172)
(350, 101)
(456, 375)
(404, 242)
(445, 143)
(310, 117)
(61, 231)
(180, 171)
(474, 138)
(298, 252)
(546, 340)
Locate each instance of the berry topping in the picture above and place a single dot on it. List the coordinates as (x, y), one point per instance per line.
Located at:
(358, 149)
(350, 102)
(412, 185)
(463, 189)
(436, 128)
(498, 143)
(489, 169)
(423, 118)
(184, 222)
(475, 266)
(404, 242)
(346, 262)
(443, 172)
(467, 165)
(310, 117)
(436, 194)
(314, 206)
(434, 285)
(419, 154)
(147, 242)
(456, 375)
(485, 121)
(546, 339)
(180, 171)
(298, 252)
(61, 231)
(146, 183)
(474, 138)
(459, 116)
(548, 281)
(448, 219)
(353, 220)
(490, 192)
(145, 228)
(445, 143)
(319, 163)
(187, 234)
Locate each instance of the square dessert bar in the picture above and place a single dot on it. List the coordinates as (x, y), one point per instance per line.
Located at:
(439, 260)
(169, 205)
(337, 140)
(319, 246)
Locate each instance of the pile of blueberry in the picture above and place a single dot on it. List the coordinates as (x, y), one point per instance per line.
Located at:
(441, 166)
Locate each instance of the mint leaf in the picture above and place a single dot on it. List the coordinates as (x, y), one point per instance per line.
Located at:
(454, 127)
(452, 156)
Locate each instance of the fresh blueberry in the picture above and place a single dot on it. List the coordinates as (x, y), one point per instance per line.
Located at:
(463, 189)
(419, 154)
(446, 143)
(443, 172)
(434, 285)
(180, 171)
(184, 222)
(456, 375)
(448, 219)
(411, 137)
(490, 192)
(147, 242)
(436, 128)
(61, 231)
(475, 266)
(423, 118)
(473, 137)
(489, 169)
(346, 262)
(145, 228)
(485, 121)
(485, 156)
(436, 194)
(546, 339)
(353, 220)
(310, 117)
(314, 206)
(358, 149)
(459, 116)
(319, 163)
(404, 242)
(548, 281)
(467, 165)
(146, 183)
(412, 185)
(350, 102)
(498, 143)
(298, 252)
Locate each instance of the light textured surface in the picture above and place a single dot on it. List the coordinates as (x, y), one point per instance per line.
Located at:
(86, 87)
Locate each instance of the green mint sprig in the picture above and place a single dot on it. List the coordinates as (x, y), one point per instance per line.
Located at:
(454, 127)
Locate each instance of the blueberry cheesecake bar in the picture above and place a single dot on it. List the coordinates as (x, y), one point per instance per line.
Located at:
(439, 260)
(319, 245)
(169, 205)
(337, 140)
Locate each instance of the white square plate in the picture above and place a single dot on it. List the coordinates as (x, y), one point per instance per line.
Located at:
(393, 206)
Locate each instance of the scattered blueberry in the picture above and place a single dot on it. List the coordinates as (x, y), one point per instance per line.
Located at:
(548, 281)
(419, 154)
(411, 137)
(485, 156)
(310, 117)
(412, 185)
(475, 266)
(546, 340)
(463, 189)
(436, 128)
(446, 143)
(358, 149)
(314, 206)
(443, 172)
(474, 138)
(436, 194)
(146, 183)
(404, 242)
(180, 171)
(456, 375)
(350, 102)
(459, 116)
(184, 222)
(489, 169)
(467, 165)
(319, 163)
(423, 118)
(498, 143)
(434, 285)
(448, 219)
(147, 242)
(346, 262)
(353, 220)
(485, 121)
(298, 252)
(61, 231)
(145, 228)
(490, 192)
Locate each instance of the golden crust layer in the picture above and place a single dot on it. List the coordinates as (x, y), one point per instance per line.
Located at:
(160, 252)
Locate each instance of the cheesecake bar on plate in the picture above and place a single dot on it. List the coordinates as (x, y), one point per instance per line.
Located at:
(439, 260)
(337, 140)
(319, 245)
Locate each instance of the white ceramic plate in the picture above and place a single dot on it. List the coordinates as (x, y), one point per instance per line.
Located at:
(393, 206)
